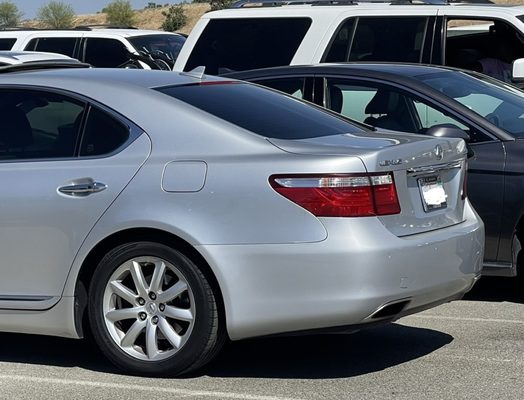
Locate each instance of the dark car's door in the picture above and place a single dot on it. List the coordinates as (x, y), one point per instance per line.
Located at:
(512, 220)
(486, 192)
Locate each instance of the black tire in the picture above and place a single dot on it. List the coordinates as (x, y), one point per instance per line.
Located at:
(202, 341)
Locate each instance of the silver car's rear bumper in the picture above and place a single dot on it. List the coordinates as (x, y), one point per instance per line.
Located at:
(358, 270)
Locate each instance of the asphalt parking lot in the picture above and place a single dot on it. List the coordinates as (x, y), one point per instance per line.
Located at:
(471, 349)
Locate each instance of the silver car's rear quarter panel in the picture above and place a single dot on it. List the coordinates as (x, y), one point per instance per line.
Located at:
(270, 289)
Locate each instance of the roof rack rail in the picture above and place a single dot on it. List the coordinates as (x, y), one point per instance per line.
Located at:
(439, 2)
(472, 1)
(104, 26)
(76, 28)
(279, 3)
(17, 28)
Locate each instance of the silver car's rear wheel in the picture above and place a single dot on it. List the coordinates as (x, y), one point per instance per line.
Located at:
(148, 308)
(152, 310)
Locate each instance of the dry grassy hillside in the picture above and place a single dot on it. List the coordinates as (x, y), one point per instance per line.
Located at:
(149, 18)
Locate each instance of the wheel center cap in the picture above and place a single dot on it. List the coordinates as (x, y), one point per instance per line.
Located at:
(151, 308)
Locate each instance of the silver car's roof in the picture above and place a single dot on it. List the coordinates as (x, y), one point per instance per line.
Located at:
(107, 76)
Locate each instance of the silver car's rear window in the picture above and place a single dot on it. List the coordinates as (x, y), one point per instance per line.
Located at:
(262, 111)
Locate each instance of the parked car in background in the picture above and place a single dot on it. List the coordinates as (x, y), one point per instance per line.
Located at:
(434, 101)
(108, 47)
(169, 212)
(260, 33)
(33, 58)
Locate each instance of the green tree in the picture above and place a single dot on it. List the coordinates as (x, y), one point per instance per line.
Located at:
(176, 18)
(56, 15)
(220, 4)
(9, 14)
(120, 13)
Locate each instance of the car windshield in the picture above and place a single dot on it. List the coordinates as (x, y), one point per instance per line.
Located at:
(499, 103)
(158, 45)
(261, 111)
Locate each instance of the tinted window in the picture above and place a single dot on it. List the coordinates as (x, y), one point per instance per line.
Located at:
(292, 86)
(262, 111)
(53, 45)
(340, 44)
(37, 124)
(247, 43)
(484, 45)
(109, 53)
(7, 44)
(388, 107)
(499, 103)
(379, 39)
(103, 134)
(169, 45)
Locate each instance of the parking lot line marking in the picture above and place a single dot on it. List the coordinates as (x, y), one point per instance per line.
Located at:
(143, 388)
(443, 317)
(484, 359)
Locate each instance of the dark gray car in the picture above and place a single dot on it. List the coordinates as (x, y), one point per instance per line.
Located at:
(438, 101)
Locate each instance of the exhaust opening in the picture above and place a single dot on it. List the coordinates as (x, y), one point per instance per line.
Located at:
(390, 309)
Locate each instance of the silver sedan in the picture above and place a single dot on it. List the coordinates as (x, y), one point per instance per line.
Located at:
(167, 212)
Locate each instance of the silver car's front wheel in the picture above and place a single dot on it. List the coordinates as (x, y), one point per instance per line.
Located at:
(152, 310)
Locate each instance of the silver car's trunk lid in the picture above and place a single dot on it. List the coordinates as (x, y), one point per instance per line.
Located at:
(429, 173)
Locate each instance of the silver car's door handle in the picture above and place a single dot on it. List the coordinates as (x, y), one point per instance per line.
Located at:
(84, 188)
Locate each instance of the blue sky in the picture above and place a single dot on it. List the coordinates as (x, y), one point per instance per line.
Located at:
(30, 7)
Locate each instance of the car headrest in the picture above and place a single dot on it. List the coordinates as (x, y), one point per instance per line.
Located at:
(383, 102)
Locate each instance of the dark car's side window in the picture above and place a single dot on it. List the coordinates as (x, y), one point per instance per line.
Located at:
(38, 124)
(64, 46)
(379, 39)
(109, 53)
(247, 43)
(103, 134)
(388, 107)
(7, 43)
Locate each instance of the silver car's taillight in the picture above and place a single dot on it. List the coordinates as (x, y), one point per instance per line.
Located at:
(340, 195)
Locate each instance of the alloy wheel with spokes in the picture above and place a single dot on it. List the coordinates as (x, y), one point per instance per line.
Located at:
(152, 311)
(148, 308)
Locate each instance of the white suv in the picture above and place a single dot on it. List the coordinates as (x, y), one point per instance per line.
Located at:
(272, 33)
(98, 47)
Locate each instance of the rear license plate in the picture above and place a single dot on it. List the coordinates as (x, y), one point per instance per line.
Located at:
(432, 192)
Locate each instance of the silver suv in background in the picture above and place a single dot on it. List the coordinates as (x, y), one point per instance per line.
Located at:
(108, 47)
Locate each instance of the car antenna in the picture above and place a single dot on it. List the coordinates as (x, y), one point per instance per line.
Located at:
(197, 72)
